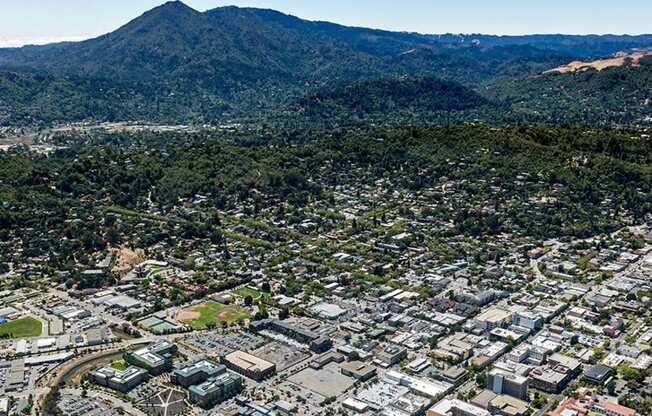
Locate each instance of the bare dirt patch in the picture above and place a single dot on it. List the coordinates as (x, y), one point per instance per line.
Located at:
(187, 315)
(599, 64)
(127, 259)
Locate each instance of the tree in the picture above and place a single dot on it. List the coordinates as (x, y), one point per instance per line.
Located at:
(248, 300)
(112, 236)
(481, 379)
(284, 313)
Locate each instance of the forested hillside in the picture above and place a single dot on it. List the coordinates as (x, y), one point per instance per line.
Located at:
(618, 95)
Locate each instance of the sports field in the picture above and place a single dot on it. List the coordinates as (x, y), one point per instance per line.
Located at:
(22, 328)
(248, 291)
(198, 316)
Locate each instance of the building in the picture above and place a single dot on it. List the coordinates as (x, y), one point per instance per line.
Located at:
(454, 375)
(455, 407)
(359, 370)
(423, 387)
(215, 390)
(196, 371)
(527, 353)
(155, 358)
(500, 404)
(591, 405)
(4, 406)
(508, 406)
(321, 344)
(610, 409)
(559, 372)
(493, 318)
(391, 355)
(528, 320)
(318, 343)
(565, 363)
(117, 378)
(503, 382)
(598, 374)
(248, 365)
(325, 359)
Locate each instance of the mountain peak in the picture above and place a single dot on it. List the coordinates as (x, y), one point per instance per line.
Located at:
(171, 9)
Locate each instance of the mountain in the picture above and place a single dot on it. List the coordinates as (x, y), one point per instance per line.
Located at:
(175, 64)
(228, 49)
(586, 46)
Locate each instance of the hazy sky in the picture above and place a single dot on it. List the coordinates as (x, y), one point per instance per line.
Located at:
(42, 21)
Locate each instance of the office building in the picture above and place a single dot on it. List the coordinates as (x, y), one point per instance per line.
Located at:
(248, 365)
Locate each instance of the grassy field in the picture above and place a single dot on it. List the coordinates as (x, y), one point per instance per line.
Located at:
(247, 291)
(210, 312)
(22, 328)
(119, 365)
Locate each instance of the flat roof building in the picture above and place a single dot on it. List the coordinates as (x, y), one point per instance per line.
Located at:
(196, 371)
(359, 370)
(455, 407)
(597, 374)
(493, 318)
(118, 379)
(215, 390)
(155, 358)
(503, 382)
(248, 365)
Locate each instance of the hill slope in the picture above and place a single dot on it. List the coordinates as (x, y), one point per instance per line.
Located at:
(390, 99)
(614, 95)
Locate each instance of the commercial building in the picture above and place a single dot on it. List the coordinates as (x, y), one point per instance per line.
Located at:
(118, 379)
(391, 355)
(318, 343)
(248, 365)
(156, 358)
(527, 353)
(196, 371)
(503, 382)
(359, 370)
(528, 320)
(501, 404)
(215, 390)
(493, 318)
(598, 374)
(325, 359)
(455, 407)
(454, 375)
(321, 344)
(560, 371)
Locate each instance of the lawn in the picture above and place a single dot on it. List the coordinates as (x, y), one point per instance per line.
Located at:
(119, 365)
(248, 291)
(199, 316)
(22, 328)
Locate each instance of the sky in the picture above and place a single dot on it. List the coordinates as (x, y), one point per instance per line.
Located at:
(43, 21)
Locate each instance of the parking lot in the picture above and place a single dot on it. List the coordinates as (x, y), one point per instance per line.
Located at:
(225, 343)
(80, 406)
(280, 354)
(328, 381)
